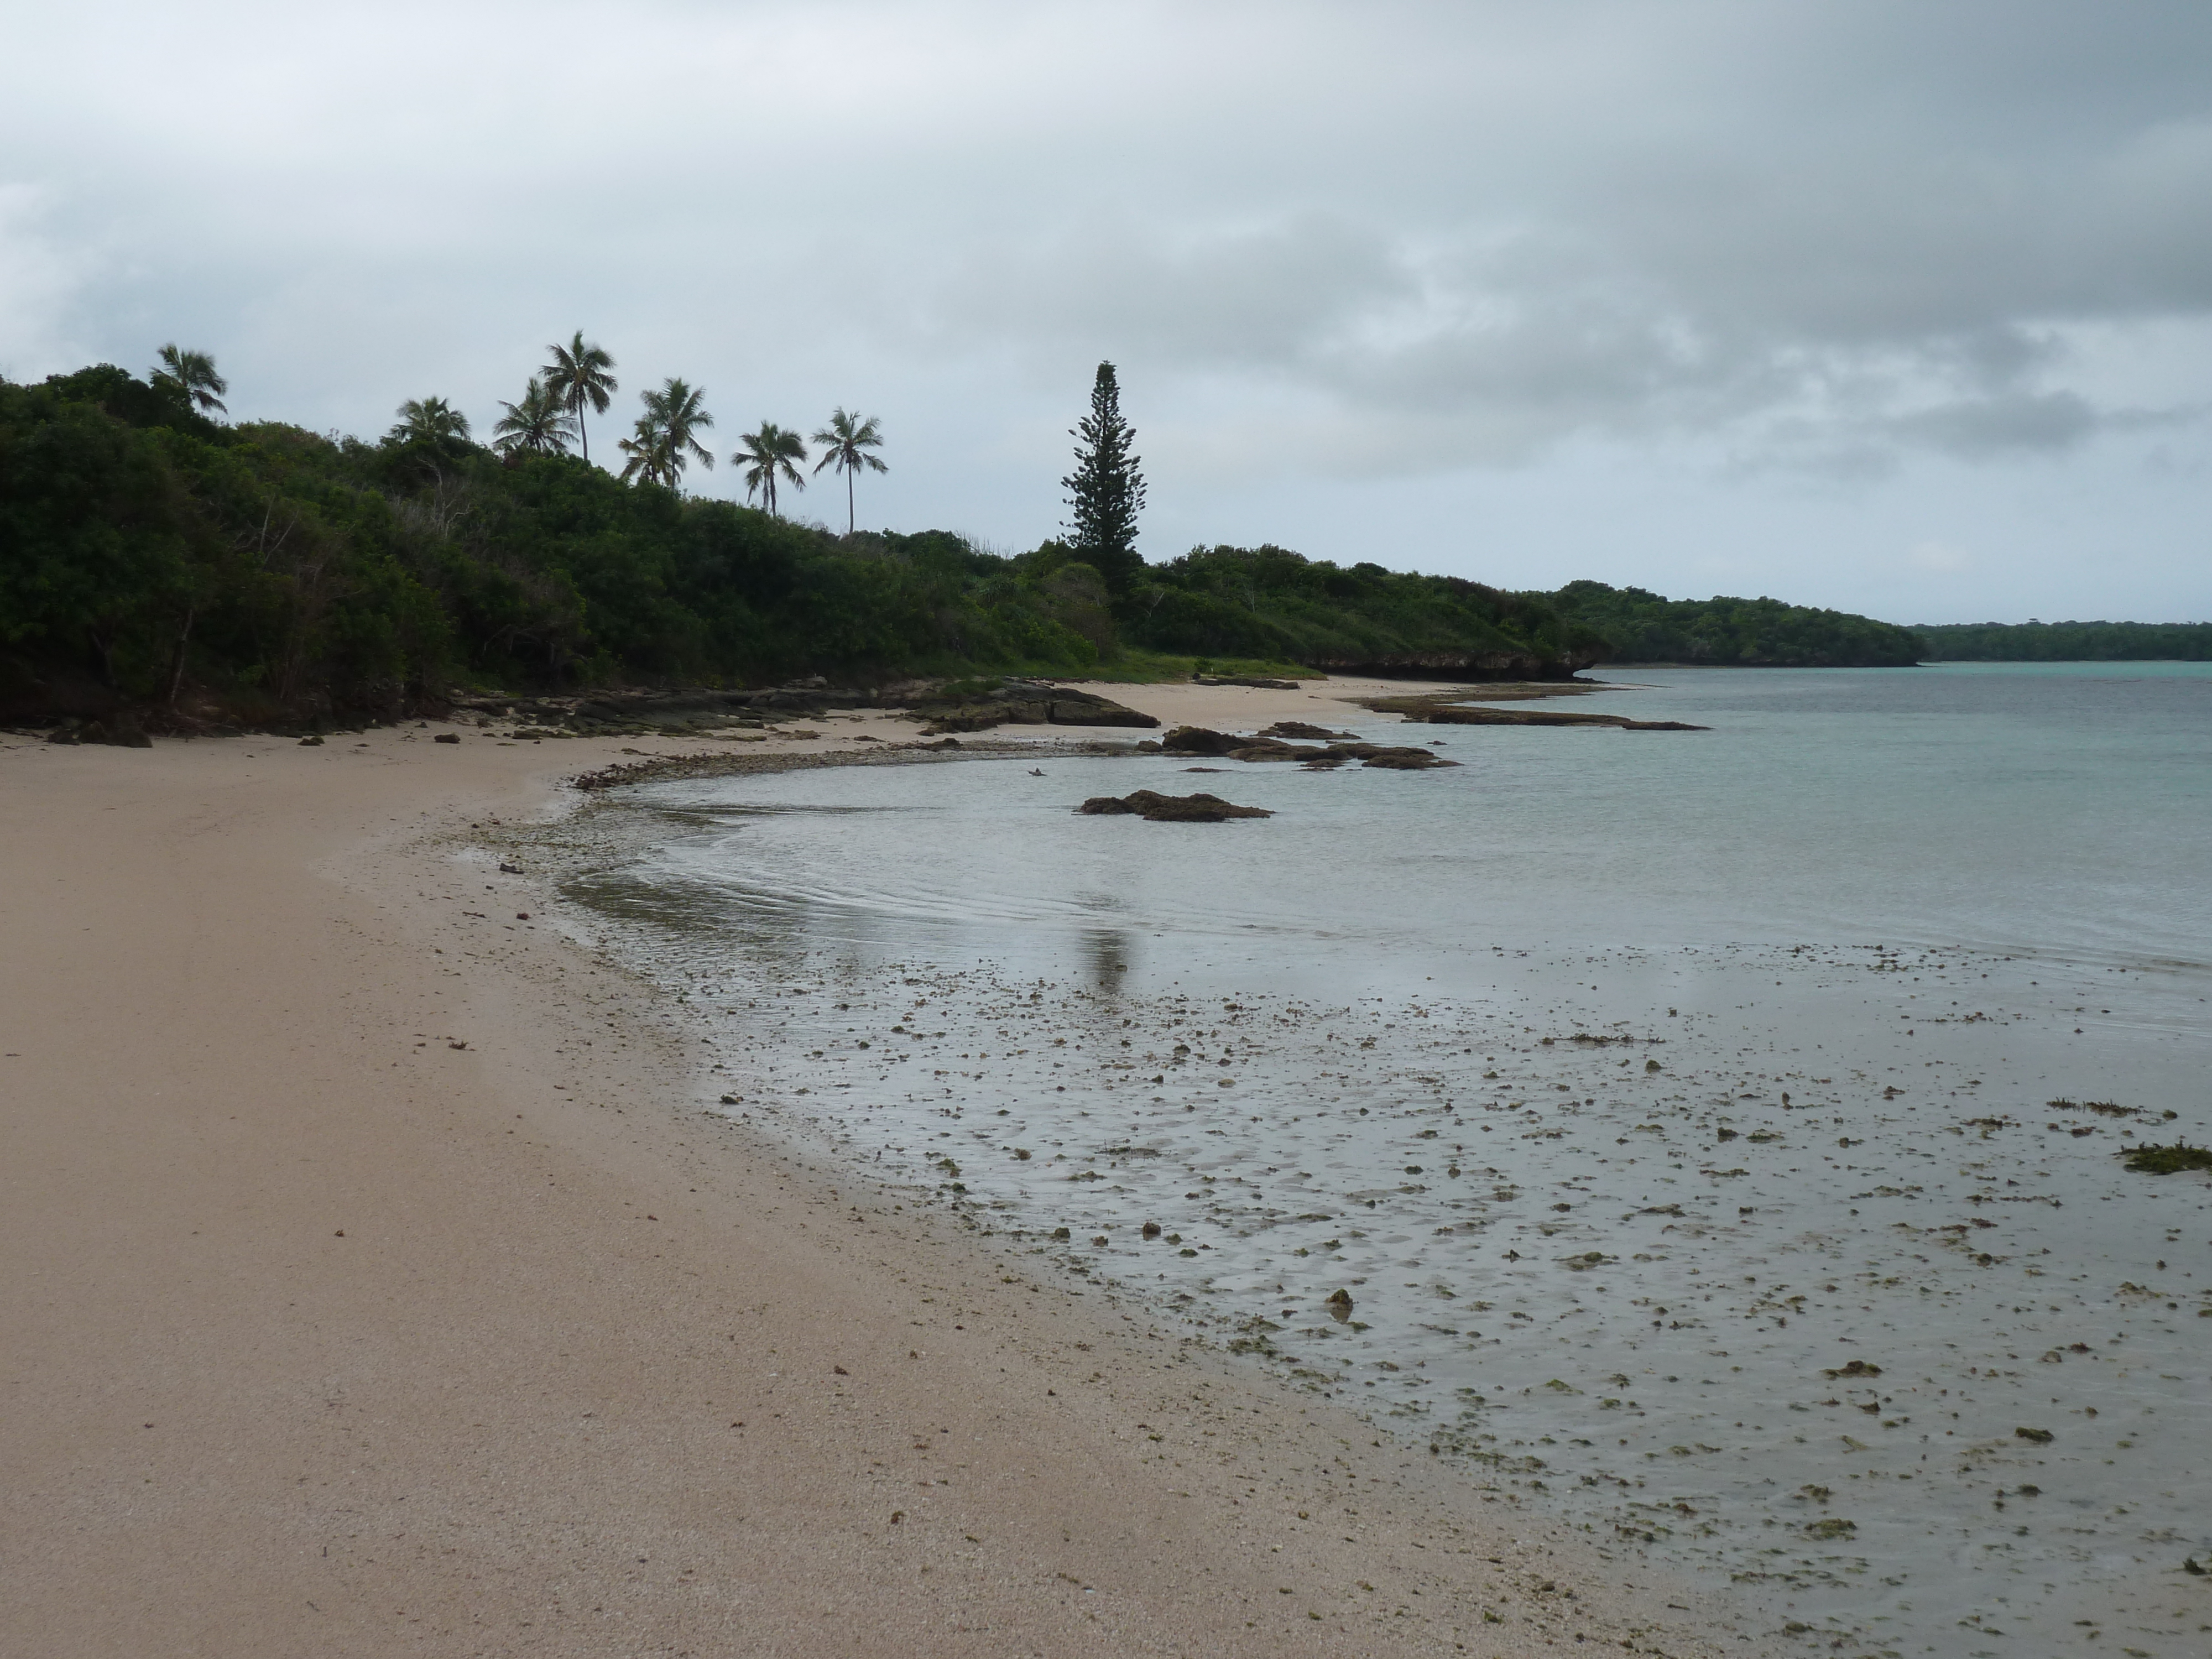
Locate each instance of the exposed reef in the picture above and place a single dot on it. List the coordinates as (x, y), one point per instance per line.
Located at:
(1156, 808)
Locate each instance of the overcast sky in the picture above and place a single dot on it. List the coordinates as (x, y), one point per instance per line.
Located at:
(1901, 307)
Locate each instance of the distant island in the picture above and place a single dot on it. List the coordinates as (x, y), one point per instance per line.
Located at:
(157, 559)
(2065, 642)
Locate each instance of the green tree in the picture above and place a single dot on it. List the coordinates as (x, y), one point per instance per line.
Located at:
(432, 422)
(1106, 491)
(191, 374)
(772, 452)
(578, 375)
(666, 437)
(539, 425)
(847, 439)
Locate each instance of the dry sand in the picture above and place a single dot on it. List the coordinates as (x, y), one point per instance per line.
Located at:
(376, 1283)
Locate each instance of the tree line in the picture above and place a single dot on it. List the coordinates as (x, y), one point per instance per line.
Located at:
(579, 378)
(155, 553)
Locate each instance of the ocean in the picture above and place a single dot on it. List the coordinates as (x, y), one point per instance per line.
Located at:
(1711, 1139)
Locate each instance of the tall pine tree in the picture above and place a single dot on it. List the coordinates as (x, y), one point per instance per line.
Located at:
(1105, 491)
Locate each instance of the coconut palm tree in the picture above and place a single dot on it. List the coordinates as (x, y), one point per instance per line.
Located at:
(192, 374)
(539, 425)
(666, 437)
(577, 376)
(430, 421)
(849, 438)
(766, 454)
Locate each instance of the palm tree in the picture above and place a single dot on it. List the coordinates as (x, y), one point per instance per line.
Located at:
(430, 421)
(766, 453)
(578, 375)
(192, 374)
(849, 438)
(539, 425)
(666, 437)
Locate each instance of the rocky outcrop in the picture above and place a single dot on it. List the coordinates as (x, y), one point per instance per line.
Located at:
(1027, 703)
(1154, 808)
(1431, 712)
(1199, 740)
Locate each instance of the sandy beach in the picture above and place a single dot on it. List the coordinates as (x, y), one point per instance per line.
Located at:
(376, 1284)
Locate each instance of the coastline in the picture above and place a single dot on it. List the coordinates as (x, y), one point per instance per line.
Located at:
(389, 1212)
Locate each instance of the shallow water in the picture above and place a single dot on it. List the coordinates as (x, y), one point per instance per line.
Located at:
(1810, 981)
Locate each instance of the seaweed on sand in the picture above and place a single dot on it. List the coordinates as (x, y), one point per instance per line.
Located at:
(2167, 1160)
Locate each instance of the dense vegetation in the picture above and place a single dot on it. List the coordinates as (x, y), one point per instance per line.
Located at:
(154, 556)
(1731, 632)
(1266, 602)
(2067, 641)
(150, 555)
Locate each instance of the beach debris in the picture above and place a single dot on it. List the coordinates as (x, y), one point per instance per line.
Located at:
(2039, 1437)
(1340, 1305)
(1156, 808)
(311, 742)
(1151, 1230)
(839, 1370)
(447, 737)
(1831, 1527)
(2167, 1160)
(1857, 1368)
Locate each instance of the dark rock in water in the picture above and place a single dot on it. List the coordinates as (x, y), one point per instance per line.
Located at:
(1300, 729)
(1270, 750)
(1404, 760)
(1151, 1229)
(1198, 740)
(1326, 761)
(1339, 1306)
(1156, 808)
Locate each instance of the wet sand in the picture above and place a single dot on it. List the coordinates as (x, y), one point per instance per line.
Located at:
(377, 1282)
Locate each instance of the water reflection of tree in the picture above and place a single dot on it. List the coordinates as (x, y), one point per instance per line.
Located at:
(1106, 952)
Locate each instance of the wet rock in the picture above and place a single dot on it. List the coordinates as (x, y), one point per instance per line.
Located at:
(1199, 740)
(1151, 1229)
(1340, 1305)
(1156, 808)
(1406, 760)
(447, 737)
(2038, 1436)
(1302, 730)
(1857, 1368)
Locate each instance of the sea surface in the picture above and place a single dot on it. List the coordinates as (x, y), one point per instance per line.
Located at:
(1711, 1139)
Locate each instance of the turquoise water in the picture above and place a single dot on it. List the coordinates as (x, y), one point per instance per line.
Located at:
(1633, 1084)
